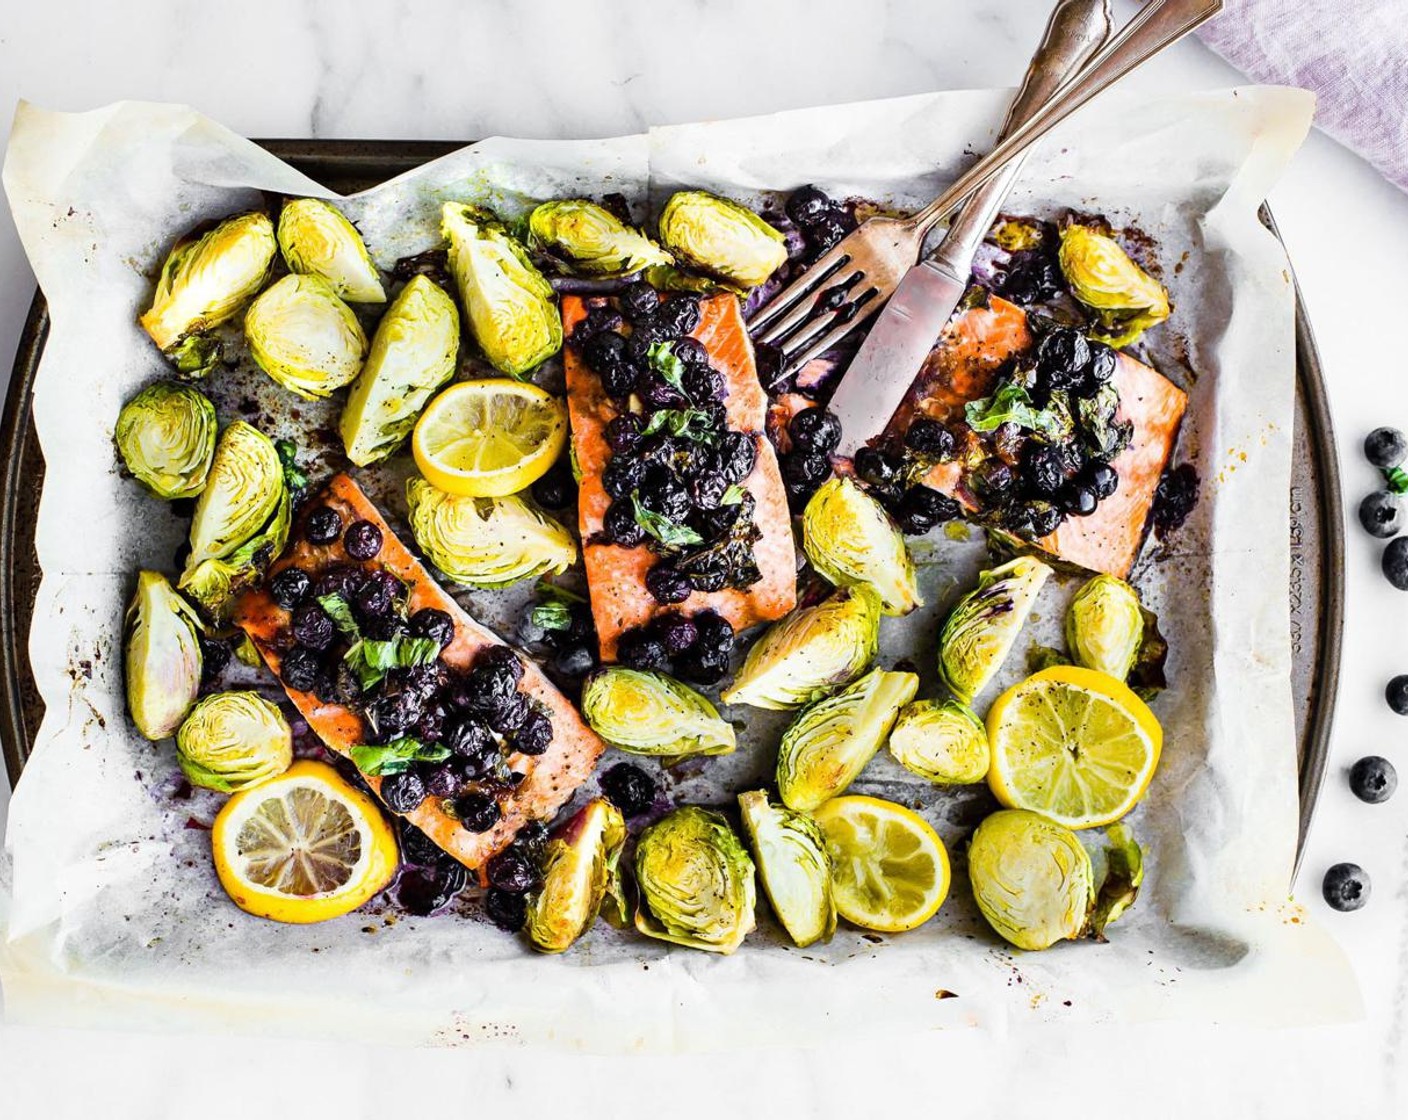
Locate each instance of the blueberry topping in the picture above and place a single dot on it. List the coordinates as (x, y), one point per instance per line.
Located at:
(629, 788)
(512, 870)
(443, 781)
(676, 633)
(1385, 447)
(534, 735)
(1101, 478)
(679, 314)
(433, 624)
(638, 649)
(311, 627)
(477, 812)
(1077, 500)
(373, 599)
(877, 467)
(290, 587)
(1043, 470)
(574, 661)
(424, 890)
(505, 909)
(816, 430)
(620, 525)
(1373, 779)
(214, 657)
(623, 433)
(417, 847)
(300, 669)
(1381, 514)
(1346, 886)
(556, 489)
(667, 585)
(638, 301)
(923, 507)
(929, 437)
(807, 205)
(362, 540)
(403, 792)
(323, 525)
(623, 475)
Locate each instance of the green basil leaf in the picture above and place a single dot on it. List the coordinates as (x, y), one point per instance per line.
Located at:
(294, 478)
(688, 423)
(733, 495)
(381, 760)
(662, 528)
(372, 658)
(341, 614)
(663, 361)
(1009, 405)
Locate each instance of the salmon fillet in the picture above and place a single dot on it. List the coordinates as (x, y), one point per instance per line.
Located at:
(964, 366)
(549, 780)
(616, 575)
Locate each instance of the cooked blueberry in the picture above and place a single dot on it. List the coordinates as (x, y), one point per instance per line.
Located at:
(1395, 563)
(691, 352)
(715, 632)
(604, 351)
(1385, 447)
(619, 380)
(556, 489)
(430, 728)
(1102, 478)
(511, 715)
(403, 792)
(1102, 366)
(574, 661)
(423, 890)
(290, 587)
(807, 205)
(622, 475)
(311, 627)
(623, 432)
(1396, 693)
(1381, 514)
(1373, 779)
(395, 712)
(506, 910)
(923, 507)
(341, 580)
(666, 584)
(323, 525)
(362, 540)
(443, 781)
(666, 495)
(214, 656)
(929, 437)
(637, 649)
(825, 232)
(416, 846)
(477, 812)
(501, 661)
(511, 870)
(594, 322)
(534, 735)
(1044, 518)
(703, 383)
(620, 525)
(702, 666)
(659, 394)
(675, 632)
(1062, 354)
(805, 469)
(1043, 469)
(374, 597)
(994, 481)
(738, 452)
(877, 467)
(1077, 500)
(300, 669)
(639, 300)
(679, 314)
(1346, 886)
(433, 624)
(816, 430)
(467, 737)
(629, 788)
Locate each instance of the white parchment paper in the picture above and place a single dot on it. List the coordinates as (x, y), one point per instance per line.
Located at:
(109, 908)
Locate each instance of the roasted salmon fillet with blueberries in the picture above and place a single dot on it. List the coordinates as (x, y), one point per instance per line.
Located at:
(682, 510)
(451, 728)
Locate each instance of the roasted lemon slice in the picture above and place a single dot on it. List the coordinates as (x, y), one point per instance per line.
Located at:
(486, 439)
(303, 847)
(1075, 745)
(890, 868)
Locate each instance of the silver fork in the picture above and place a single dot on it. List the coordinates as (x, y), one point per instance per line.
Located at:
(852, 281)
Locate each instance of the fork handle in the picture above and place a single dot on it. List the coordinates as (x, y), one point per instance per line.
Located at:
(1076, 29)
(1156, 25)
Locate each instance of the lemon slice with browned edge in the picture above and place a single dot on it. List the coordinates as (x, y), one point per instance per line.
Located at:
(1075, 745)
(890, 870)
(487, 439)
(302, 847)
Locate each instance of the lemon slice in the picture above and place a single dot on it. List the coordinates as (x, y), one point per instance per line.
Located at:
(890, 868)
(1075, 745)
(302, 847)
(486, 439)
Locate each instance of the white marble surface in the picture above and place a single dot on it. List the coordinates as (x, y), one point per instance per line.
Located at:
(452, 68)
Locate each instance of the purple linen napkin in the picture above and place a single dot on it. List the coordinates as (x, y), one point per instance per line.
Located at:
(1352, 53)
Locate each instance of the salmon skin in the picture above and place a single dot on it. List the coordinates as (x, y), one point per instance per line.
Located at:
(549, 779)
(965, 365)
(615, 574)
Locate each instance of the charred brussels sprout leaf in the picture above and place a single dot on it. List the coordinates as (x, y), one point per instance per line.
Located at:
(1126, 299)
(811, 652)
(304, 337)
(582, 237)
(234, 740)
(412, 354)
(163, 659)
(204, 282)
(317, 239)
(722, 238)
(1105, 626)
(486, 542)
(1031, 878)
(795, 867)
(509, 303)
(696, 882)
(980, 630)
(943, 741)
(1123, 876)
(579, 868)
(850, 539)
(827, 746)
(166, 436)
(651, 714)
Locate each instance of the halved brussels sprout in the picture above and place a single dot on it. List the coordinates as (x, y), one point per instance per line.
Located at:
(652, 714)
(850, 539)
(1105, 626)
(163, 660)
(304, 337)
(1032, 878)
(943, 741)
(317, 239)
(980, 630)
(413, 353)
(827, 746)
(1125, 298)
(795, 867)
(486, 542)
(214, 583)
(811, 652)
(586, 238)
(234, 740)
(204, 282)
(166, 436)
(512, 313)
(721, 237)
(696, 882)
(578, 864)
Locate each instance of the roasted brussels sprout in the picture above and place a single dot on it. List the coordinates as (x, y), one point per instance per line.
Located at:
(578, 865)
(1124, 875)
(811, 652)
(696, 882)
(166, 436)
(486, 542)
(850, 539)
(1032, 878)
(649, 713)
(204, 282)
(413, 353)
(1105, 626)
(721, 237)
(979, 631)
(1126, 299)
(943, 741)
(509, 303)
(213, 584)
(317, 239)
(795, 867)
(304, 337)
(163, 659)
(234, 740)
(582, 237)
(827, 746)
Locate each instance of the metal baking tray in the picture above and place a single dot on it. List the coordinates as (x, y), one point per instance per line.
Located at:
(1314, 504)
